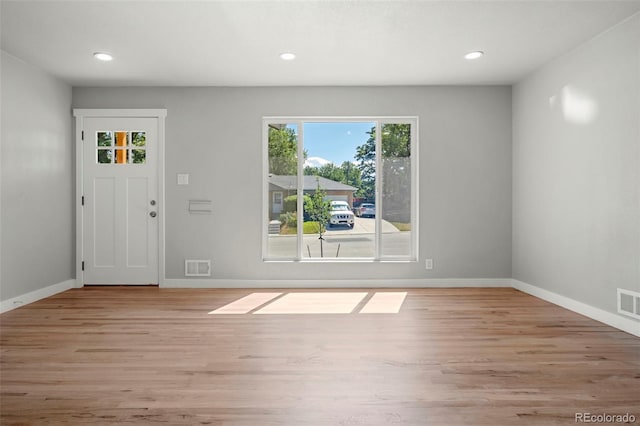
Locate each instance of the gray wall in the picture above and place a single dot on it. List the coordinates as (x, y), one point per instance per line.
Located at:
(215, 135)
(38, 246)
(576, 171)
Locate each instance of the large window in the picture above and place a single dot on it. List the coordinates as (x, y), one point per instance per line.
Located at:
(340, 189)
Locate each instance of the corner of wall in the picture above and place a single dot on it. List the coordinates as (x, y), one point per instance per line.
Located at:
(34, 296)
(627, 325)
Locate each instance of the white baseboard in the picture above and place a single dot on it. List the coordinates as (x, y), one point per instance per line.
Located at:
(34, 296)
(378, 283)
(621, 323)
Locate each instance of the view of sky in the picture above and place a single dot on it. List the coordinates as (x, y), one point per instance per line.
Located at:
(333, 142)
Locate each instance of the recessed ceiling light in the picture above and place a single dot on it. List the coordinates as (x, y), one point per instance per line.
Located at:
(474, 55)
(103, 56)
(287, 56)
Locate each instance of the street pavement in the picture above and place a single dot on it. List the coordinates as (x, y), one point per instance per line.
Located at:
(339, 242)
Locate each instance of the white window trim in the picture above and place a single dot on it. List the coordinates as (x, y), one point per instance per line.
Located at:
(379, 120)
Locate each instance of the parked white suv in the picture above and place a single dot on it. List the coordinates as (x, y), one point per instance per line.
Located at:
(341, 214)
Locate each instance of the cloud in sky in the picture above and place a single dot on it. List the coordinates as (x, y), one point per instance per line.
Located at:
(316, 162)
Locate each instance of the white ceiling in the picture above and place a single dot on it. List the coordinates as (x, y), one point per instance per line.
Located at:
(237, 43)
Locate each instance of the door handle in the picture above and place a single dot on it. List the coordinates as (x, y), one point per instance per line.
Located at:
(153, 214)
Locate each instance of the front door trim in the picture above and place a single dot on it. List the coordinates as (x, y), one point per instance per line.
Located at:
(80, 114)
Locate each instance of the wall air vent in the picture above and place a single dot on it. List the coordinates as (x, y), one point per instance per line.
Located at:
(629, 303)
(197, 268)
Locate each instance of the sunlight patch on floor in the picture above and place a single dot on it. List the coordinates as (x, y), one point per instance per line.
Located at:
(382, 302)
(246, 304)
(314, 303)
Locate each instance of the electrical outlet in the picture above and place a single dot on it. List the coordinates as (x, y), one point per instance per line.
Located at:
(428, 264)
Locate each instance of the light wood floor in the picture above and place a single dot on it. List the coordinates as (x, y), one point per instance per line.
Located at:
(144, 355)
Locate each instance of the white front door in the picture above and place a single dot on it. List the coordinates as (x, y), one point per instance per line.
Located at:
(120, 200)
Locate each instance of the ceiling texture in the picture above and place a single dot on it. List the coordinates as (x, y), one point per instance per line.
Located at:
(238, 43)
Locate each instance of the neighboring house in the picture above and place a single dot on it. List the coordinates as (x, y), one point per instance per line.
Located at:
(281, 187)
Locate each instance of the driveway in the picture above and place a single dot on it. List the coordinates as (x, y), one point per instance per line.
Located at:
(363, 225)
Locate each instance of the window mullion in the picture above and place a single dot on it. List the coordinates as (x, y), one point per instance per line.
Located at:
(300, 190)
(378, 190)
(414, 188)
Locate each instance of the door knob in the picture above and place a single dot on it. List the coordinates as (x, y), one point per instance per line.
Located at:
(153, 214)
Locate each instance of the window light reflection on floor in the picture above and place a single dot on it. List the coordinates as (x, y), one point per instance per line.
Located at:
(384, 302)
(314, 303)
(246, 304)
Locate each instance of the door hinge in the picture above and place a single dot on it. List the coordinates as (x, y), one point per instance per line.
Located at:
(83, 265)
(83, 135)
(82, 200)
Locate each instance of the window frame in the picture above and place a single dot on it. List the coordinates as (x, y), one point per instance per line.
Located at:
(379, 121)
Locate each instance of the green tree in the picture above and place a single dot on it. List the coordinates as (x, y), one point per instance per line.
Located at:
(291, 203)
(396, 172)
(396, 144)
(366, 159)
(346, 173)
(318, 208)
(396, 140)
(351, 174)
(329, 171)
(139, 140)
(283, 151)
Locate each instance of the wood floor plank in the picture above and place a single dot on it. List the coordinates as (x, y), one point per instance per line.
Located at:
(144, 355)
